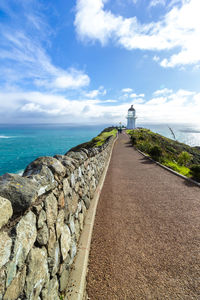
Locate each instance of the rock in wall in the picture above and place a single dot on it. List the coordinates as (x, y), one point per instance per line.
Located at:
(41, 219)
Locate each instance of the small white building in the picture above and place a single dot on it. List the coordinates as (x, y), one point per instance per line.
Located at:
(131, 118)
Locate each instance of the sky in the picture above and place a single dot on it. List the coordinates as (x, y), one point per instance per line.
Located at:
(87, 61)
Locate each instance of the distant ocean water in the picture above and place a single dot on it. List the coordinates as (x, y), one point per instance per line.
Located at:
(21, 144)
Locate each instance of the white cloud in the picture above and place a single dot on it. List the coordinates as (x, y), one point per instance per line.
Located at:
(127, 90)
(164, 91)
(176, 107)
(156, 58)
(156, 2)
(182, 106)
(133, 95)
(23, 58)
(95, 93)
(32, 107)
(92, 94)
(110, 101)
(157, 101)
(175, 2)
(179, 29)
(57, 108)
(72, 79)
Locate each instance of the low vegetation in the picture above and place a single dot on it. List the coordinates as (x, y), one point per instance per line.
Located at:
(97, 141)
(175, 155)
(104, 135)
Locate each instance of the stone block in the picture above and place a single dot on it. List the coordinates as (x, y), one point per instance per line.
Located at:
(81, 220)
(69, 163)
(83, 208)
(72, 180)
(26, 236)
(71, 224)
(52, 163)
(5, 211)
(51, 242)
(42, 219)
(65, 241)
(66, 187)
(72, 202)
(42, 175)
(79, 156)
(43, 235)
(21, 191)
(86, 200)
(5, 248)
(54, 260)
(73, 250)
(77, 230)
(60, 223)
(61, 200)
(53, 289)
(37, 208)
(2, 282)
(50, 291)
(51, 207)
(16, 287)
(76, 187)
(37, 275)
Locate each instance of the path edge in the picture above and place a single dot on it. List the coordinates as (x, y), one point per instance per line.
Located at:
(168, 169)
(76, 289)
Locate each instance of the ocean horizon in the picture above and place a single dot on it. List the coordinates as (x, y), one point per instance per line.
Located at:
(20, 144)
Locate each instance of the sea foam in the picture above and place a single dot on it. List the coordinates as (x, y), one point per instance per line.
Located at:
(5, 137)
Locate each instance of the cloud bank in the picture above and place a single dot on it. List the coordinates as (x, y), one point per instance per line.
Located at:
(165, 106)
(178, 30)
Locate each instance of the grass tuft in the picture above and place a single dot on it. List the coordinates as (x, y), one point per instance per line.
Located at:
(180, 169)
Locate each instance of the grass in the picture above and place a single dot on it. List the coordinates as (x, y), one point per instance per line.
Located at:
(180, 169)
(100, 139)
(173, 154)
(97, 141)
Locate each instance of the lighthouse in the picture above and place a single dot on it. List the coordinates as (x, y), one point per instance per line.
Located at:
(131, 118)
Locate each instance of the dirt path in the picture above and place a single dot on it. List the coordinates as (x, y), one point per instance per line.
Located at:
(146, 238)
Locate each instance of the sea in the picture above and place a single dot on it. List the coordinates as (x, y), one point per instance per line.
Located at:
(21, 144)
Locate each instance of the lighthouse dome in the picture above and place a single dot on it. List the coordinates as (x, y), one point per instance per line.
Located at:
(131, 108)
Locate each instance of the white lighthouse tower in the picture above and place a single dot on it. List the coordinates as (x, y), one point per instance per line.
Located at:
(131, 118)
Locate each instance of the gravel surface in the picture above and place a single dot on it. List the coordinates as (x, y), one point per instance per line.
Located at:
(146, 238)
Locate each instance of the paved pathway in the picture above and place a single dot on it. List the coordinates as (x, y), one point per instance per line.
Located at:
(146, 238)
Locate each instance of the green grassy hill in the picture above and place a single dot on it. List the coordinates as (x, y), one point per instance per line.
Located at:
(97, 141)
(173, 154)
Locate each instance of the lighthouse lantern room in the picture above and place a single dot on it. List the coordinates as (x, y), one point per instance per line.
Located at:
(131, 118)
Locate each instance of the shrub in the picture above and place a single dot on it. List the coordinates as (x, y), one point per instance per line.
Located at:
(156, 152)
(195, 171)
(170, 149)
(141, 138)
(184, 158)
(144, 146)
(133, 140)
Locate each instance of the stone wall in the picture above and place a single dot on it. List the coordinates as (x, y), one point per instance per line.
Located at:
(41, 218)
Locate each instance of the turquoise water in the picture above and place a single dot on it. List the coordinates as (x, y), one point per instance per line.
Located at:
(21, 144)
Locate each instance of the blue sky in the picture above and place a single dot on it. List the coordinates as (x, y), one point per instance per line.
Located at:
(87, 61)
